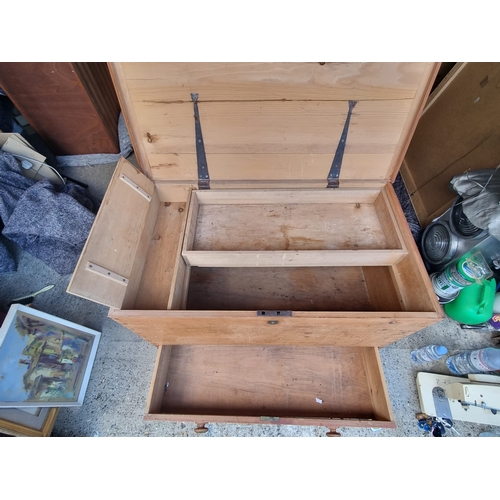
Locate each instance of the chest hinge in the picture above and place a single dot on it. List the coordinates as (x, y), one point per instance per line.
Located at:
(203, 175)
(334, 174)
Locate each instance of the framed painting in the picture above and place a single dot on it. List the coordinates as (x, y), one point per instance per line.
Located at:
(45, 361)
(22, 423)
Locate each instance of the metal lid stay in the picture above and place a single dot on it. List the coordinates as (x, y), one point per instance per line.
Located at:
(334, 174)
(204, 177)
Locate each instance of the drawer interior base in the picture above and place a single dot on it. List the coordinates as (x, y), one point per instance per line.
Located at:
(352, 288)
(269, 381)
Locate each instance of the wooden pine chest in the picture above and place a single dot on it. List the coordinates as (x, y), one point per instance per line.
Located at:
(262, 247)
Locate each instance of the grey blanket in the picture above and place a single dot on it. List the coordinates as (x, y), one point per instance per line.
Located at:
(50, 222)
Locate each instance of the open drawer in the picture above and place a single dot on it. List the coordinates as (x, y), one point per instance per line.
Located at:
(329, 386)
(345, 272)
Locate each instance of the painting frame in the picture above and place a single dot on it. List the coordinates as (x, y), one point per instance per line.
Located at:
(45, 361)
(15, 422)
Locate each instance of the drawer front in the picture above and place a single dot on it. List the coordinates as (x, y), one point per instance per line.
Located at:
(247, 328)
(327, 386)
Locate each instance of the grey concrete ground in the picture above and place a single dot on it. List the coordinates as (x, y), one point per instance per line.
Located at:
(116, 395)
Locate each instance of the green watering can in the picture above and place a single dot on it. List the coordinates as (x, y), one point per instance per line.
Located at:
(474, 305)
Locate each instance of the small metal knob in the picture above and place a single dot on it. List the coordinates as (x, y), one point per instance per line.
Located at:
(201, 429)
(333, 434)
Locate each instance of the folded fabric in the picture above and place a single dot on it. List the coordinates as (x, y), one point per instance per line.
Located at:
(12, 184)
(52, 223)
(7, 262)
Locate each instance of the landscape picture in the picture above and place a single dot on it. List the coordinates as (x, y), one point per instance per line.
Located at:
(43, 361)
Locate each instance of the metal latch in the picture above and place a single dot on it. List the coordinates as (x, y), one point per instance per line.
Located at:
(334, 174)
(203, 176)
(274, 313)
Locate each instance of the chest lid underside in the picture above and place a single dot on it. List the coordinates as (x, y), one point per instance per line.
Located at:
(271, 123)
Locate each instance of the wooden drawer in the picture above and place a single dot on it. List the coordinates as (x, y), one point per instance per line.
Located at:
(269, 289)
(328, 386)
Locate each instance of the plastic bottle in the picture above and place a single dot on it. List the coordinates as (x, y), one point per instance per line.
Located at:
(489, 434)
(428, 353)
(469, 269)
(479, 361)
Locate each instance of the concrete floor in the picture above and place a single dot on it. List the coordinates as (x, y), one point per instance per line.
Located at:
(116, 396)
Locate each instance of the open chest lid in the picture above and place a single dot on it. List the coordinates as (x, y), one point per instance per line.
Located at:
(271, 124)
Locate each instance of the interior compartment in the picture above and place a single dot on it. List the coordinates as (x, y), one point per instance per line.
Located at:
(257, 381)
(134, 261)
(289, 288)
(291, 228)
(318, 226)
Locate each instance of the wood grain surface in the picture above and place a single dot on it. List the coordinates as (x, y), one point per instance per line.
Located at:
(293, 258)
(360, 328)
(72, 106)
(270, 381)
(154, 290)
(294, 289)
(271, 121)
(271, 81)
(289, 227)
(118, 241)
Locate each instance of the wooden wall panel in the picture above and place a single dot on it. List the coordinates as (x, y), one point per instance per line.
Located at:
(459, 131)
(72, 106)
